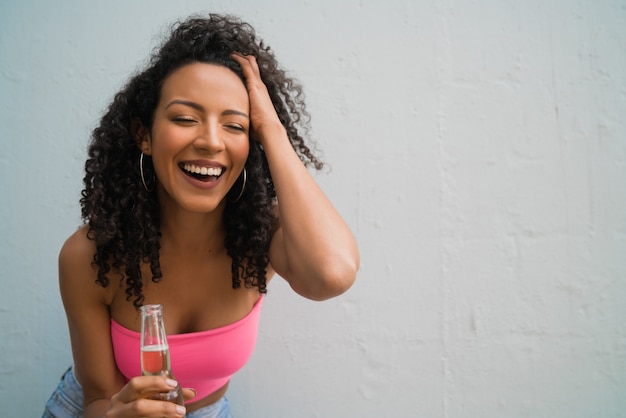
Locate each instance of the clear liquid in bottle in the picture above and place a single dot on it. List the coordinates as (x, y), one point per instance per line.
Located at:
(155, 352)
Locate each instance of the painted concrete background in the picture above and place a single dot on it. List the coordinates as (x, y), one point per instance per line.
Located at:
(478, 151)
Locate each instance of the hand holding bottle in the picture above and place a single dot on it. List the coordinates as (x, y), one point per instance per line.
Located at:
(137, 398)
(155, 393)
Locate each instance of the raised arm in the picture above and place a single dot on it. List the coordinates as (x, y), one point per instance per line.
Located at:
(313, 248)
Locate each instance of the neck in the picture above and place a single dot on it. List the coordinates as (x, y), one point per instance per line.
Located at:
(192, 233)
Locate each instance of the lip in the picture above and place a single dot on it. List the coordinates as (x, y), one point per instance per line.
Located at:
(210, 183)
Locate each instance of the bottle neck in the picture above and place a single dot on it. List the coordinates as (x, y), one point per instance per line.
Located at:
(155, 355)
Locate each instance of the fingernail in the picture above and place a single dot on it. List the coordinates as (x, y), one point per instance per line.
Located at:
(171, 382)
(181, 410)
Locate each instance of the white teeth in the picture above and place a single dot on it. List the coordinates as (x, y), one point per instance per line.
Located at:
(204, 171)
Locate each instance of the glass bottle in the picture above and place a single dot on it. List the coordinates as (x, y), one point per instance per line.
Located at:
(155, 352)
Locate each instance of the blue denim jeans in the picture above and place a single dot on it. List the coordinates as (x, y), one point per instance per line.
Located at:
(67, 402)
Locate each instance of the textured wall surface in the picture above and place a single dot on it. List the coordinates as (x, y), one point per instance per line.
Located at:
(478, 151)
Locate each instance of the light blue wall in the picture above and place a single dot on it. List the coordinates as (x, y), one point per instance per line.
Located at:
(478, 150)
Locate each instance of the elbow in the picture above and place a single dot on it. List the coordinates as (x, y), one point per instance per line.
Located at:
(328, 283)
(339, 282)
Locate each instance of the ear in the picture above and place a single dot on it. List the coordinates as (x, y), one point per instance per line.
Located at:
(141, 135)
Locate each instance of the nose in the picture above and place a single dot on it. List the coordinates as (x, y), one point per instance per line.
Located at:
(209, 139)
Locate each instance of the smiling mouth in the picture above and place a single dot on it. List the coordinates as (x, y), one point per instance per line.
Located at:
(201, 172)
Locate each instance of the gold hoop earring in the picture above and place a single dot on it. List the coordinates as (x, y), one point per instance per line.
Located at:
(143, 180)
(243, 186)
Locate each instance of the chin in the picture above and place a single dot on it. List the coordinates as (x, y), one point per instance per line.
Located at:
(204, 207)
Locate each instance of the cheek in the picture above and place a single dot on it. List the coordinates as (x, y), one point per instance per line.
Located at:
(170, 135)
(241, 151)
(167, 140)
(164, 146)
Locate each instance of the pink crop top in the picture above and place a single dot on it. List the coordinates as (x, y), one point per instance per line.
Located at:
(204, 361)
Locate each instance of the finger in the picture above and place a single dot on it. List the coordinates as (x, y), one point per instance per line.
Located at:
(189, 393)
(248, 64)
(252, 74)
(147, 408)
(144, 386)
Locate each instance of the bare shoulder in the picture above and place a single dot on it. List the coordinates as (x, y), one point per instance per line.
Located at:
(77, 247)
(77, 274)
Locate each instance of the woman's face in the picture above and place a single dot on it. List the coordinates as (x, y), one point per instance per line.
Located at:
(199, 138)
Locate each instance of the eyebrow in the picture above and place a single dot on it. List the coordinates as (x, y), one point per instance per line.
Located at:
(200, 108)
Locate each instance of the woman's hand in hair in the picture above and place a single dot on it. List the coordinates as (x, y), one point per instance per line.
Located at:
(263, 117)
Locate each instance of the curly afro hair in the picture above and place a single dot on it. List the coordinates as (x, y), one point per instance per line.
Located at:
(123, 216)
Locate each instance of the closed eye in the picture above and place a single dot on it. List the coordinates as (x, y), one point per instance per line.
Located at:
(236, 127)
(182, 119)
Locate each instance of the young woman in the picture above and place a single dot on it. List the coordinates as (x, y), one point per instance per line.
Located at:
(196, 194)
